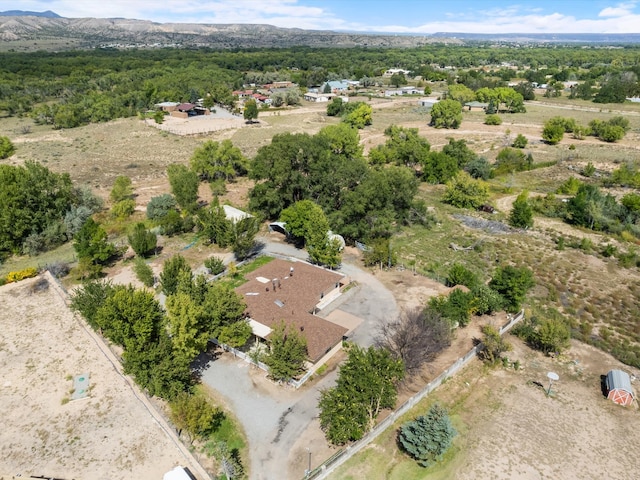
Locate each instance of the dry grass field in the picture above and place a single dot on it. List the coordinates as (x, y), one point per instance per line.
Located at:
(509, 429)
(109, 435)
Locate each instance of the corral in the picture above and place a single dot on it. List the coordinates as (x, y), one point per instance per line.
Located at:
(114, 433)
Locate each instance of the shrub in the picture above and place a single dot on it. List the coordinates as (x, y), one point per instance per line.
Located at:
(588, 170)
(214, 265)
(493, 345)
(21, 274)
(461, 275)
(552, 133)
(380, 253)
(143, 272)
(159, 207)
(427, 437)
(123, 209)
(6, 148)
(492, 119)
(520, 141)
(479, 168)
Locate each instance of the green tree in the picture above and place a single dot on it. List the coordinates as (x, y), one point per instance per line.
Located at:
(456, 307)
(89, 297)
(222, 306)
(142, 241)
(195, 416)
(32, 199)
(367, 383)
(250, 112)
(244, 237)
(360, 117)
(186, 318)
(122, 189)
(305, 220)
(184, 186)
(214, 226)
(287, 354)
(91, 243)
(397, 79)
(428, 437)
(335, 107)
(218, 161)
(512, 283)
(521, 215)
(130, 318)
(446, 114)
(462, 191)
(479, 168)
(461, 93)
(171, 272)
(6, 147)
(236, 335)
(438, 167)
(486, 301)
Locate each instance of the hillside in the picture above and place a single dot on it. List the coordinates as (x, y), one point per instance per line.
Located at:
(25, 33)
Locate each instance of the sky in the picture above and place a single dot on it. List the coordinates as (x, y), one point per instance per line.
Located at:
(391, 16)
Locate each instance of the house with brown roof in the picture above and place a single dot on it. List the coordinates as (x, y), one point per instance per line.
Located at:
(293, 292)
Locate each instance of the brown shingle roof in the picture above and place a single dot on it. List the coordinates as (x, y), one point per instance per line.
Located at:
(298, 295)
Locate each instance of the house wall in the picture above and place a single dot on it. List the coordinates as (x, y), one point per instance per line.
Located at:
(178, 114)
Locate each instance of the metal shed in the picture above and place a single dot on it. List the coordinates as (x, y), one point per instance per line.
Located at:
(619, 388)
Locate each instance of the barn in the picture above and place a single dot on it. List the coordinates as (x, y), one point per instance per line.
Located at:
(619, 388)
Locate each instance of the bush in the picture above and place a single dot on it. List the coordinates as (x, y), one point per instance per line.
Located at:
(492, 119)
(427, 437)
(479, 168)
(520, 141)
(461, 275)
(214, 265)
(143, 272)
(6, 148)
(552, 133)
(159, 207)
(21, 274)
(123, 209)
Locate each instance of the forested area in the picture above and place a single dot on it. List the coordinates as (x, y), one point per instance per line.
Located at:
(73, 88)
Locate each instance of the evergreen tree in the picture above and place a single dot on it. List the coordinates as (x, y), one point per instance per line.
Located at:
(521, 215)
(427, 437)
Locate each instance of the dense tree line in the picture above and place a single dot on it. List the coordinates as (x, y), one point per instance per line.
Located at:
(67, 89)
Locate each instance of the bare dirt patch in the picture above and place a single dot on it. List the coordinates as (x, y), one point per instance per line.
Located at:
(109, 435)
(575, 433)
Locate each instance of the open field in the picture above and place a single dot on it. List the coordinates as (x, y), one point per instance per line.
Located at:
(509, 429)
(111, 434)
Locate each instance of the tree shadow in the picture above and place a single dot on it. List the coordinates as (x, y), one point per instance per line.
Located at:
(200, 363)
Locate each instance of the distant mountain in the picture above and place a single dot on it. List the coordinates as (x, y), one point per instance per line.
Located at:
(607, 38)
(22, 13)
(23, 33)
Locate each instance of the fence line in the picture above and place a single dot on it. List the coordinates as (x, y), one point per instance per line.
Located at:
(345, 454)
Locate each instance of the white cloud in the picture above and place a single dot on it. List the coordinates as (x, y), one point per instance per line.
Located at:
(620, 10)
(518, 18)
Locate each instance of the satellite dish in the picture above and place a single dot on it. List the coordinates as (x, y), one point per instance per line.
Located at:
(552, 376)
